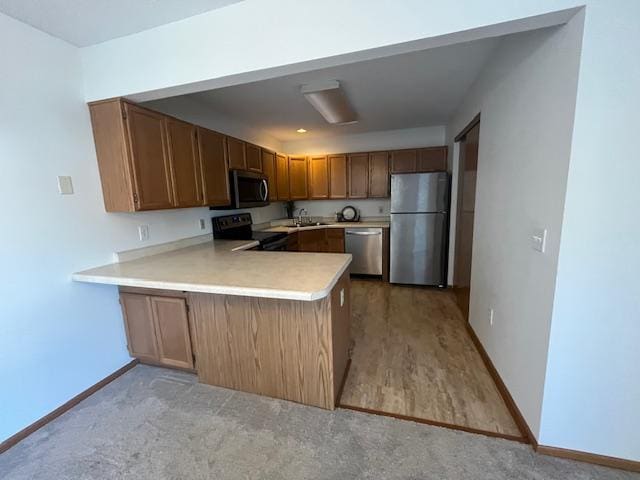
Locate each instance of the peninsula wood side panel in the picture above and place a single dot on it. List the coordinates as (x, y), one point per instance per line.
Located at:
(340, 330)
(279, 348)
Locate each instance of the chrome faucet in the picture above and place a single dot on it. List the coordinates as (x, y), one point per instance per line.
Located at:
(300, 215)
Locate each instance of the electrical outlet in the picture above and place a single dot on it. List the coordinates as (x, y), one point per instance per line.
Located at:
(491, 317)
(202, 224)
(380, 209)
(143, 232)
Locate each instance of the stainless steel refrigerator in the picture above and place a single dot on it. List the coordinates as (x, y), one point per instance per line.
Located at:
(419, 228)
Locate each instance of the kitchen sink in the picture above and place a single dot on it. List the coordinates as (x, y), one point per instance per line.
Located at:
(307, 224)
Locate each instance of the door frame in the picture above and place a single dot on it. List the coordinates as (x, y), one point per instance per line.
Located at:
(463, 294)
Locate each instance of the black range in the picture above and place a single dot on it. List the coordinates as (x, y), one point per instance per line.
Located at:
(238, 227)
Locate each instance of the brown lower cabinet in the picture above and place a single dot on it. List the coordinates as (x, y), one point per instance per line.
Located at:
(290, 349)
(157, 329)
(335, 240)
(312, 240)
(329, 240)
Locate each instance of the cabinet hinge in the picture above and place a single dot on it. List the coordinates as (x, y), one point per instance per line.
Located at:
(187, 307)
(135, 198)
(124, 113)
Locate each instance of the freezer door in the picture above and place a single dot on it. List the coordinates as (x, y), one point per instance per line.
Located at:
(420, 192)
(418, 248)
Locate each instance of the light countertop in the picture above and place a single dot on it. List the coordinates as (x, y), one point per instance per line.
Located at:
(224, 267)
(364, 224)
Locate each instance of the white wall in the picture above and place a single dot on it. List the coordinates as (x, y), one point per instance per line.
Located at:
(370, 141)
(592, 393)
(58, 337)
(212, 50)
(526, 96)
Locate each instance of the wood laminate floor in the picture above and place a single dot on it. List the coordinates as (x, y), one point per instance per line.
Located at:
(413, 357)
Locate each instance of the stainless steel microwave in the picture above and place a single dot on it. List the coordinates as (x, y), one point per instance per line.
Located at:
(248, 189)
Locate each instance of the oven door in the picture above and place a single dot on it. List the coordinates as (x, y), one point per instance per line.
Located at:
(249, 189)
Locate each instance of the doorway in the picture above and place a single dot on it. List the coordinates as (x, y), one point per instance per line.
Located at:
(466, 202)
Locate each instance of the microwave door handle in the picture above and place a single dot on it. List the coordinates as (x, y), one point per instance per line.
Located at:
(265, 195)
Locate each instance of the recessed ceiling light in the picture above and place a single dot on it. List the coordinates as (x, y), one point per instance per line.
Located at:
(301, 130)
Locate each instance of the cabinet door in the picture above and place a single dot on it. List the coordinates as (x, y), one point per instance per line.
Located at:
(338, 176)
(213, 161)
(404, 161)
(298, 178)
(269, 169)
(282, 176)
(149, 159)
(172, 331)
(379, 174)
(335, 240)
(185, 164)
(254, 158)
(139, 326)
(358, 175)
(312, 240)
(236, 154)
(318, 177)
(433, 159)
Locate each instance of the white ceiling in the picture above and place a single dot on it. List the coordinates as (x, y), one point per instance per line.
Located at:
(87, 22)
(403, 91)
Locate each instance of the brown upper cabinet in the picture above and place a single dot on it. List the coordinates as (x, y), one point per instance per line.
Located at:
(318, 177)
(379, 174)
(254, 158)
(358, 175)
(133, 157)
(338, 187)
(298, 189)
(269, 169)
(185, 164)
(404, 161)
(282, 176)
(432, 159)
(213, 161)
(236, 154)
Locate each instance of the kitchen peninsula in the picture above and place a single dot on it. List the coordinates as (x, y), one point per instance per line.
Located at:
(271, 323)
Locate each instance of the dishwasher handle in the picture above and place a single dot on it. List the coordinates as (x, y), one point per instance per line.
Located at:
(362, 233)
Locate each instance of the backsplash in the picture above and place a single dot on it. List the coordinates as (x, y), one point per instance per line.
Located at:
(327, 208)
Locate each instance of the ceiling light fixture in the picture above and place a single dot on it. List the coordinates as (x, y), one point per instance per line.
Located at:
(301, 130)
(330, 101)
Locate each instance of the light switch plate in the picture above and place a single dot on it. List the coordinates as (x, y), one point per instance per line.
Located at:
(539, 240)
(341, 297)
(202, 224)
(65, 185)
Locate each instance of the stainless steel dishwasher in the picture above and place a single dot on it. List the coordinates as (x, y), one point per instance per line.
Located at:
(365, 245)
